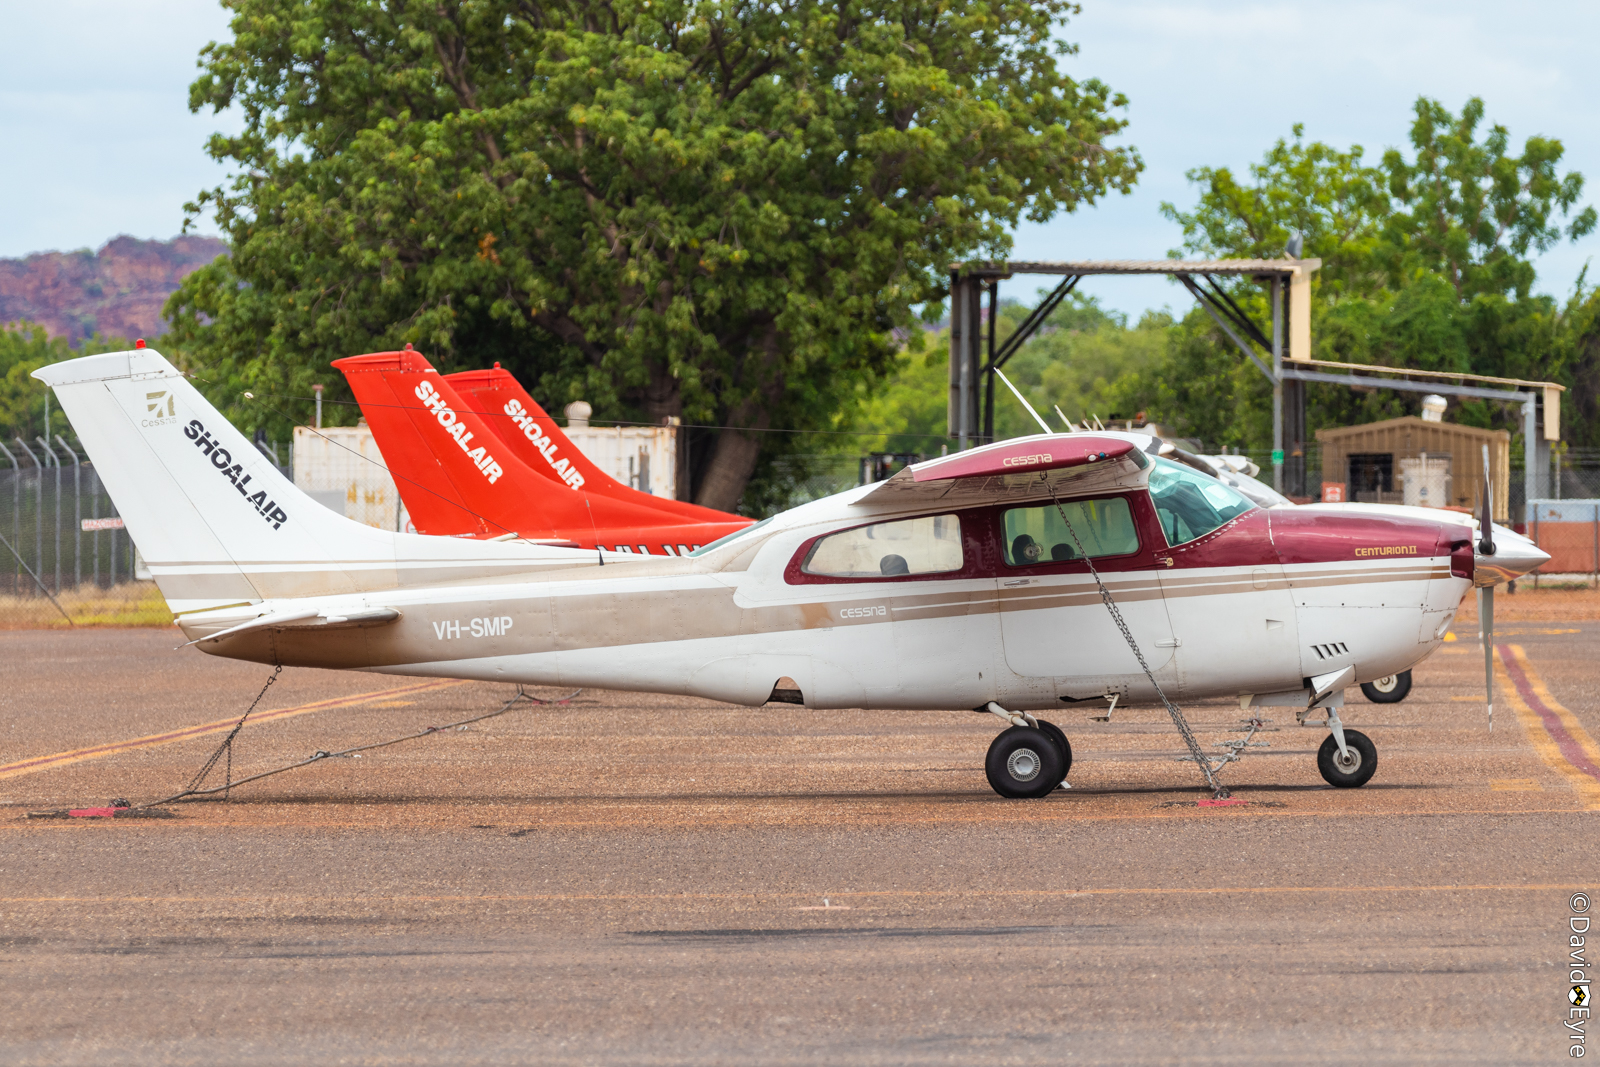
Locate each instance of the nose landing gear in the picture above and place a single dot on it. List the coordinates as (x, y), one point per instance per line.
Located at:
(1352, 767)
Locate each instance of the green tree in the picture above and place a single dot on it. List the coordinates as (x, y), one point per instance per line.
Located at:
(1468, 211)
(716, 210)
(1425, 265)
(24, 348)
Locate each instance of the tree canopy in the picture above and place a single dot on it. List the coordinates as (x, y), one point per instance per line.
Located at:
(1426, 264)
(711, 209)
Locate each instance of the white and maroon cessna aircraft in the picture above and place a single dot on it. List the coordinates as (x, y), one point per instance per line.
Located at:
(967, 581)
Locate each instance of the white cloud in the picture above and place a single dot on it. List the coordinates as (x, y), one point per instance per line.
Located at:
(94, 106)
(1213, 83)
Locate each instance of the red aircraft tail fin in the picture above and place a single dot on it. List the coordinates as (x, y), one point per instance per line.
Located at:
(381, 384)
(456, 477)
(532, 436)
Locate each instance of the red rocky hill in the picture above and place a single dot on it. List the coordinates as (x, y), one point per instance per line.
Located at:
(117, 291)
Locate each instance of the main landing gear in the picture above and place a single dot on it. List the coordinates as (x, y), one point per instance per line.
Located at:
(1029, 760)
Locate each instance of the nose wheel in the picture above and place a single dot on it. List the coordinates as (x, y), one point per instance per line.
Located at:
(1352, 767)
(1389, 690)
(1027, 761)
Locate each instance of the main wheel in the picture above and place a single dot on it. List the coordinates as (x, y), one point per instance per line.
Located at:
(1352, 770)
(1024, 762)
(1063, 744)
(1390, 690)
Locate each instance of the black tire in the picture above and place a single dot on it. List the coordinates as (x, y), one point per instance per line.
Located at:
(1361, 748)
(1390, 690)
(1024, 763)
(1063, 744)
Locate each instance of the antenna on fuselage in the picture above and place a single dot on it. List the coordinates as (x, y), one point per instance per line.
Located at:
(1045, 426)
(1070, 428)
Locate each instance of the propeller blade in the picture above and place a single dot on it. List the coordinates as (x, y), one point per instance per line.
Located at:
(1486, 598)
(1486, 620)
(1486, 522)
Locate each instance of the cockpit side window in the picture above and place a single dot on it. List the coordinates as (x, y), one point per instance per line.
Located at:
(1189, 504)
(1036, 535)
(929, 544)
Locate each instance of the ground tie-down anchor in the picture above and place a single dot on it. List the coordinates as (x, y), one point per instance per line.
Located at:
(1236, 749)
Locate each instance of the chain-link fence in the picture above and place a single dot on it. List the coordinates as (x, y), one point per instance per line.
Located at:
(63, 552)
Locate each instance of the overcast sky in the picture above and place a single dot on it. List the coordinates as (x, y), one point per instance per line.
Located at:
(94, 107)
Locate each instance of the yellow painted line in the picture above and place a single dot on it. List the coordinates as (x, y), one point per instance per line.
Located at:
(366, 900)
(111, 748)
(1557, 735)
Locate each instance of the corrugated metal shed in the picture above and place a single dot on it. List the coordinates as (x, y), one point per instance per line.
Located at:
(1374, 461)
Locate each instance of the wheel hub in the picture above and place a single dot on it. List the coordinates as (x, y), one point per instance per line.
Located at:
(1024, 764)
(1348, 761)
(1387, 684)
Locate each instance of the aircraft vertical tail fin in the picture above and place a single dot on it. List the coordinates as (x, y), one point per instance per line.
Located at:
(387, 385)
(533, 437)
(447, 460)
(215, 520)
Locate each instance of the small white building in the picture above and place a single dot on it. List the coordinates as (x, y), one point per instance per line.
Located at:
(342, 468)
(640, 457)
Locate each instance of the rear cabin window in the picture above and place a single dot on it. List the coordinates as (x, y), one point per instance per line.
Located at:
(1037, 535)
(1189, 503)
(927, 545)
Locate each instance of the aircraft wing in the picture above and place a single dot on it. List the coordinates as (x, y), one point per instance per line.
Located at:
(1072, 464)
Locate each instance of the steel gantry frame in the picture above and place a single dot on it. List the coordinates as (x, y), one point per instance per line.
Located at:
(975, 358)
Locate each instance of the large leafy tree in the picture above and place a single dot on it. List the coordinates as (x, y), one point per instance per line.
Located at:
(711, 209)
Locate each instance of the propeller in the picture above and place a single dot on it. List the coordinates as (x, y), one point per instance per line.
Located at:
(1486, 593)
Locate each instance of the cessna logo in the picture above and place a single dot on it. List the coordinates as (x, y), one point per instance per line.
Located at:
(457, 429)
(1026, 461)
(541, 441)
(161, 409)
(222, 459)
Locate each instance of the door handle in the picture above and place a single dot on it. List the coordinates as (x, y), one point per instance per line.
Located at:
(1019, 581)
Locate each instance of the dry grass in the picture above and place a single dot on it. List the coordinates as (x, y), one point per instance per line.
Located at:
(129, 604)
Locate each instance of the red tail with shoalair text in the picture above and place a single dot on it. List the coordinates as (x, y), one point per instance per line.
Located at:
(531, 435)
(458, 478)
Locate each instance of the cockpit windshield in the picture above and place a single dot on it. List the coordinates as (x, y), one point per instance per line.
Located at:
(1189, 503)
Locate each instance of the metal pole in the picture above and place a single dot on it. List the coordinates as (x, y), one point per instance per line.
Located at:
(55, 461)
(989, 378)
(1530, 451)
(38, 509)
(967, 345)
(77, 514)
(1277, 384)
(94, 508)
(16, 510)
